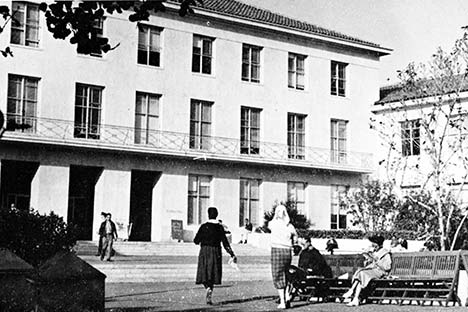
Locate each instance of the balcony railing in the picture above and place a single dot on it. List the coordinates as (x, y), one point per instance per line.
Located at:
(63, 132)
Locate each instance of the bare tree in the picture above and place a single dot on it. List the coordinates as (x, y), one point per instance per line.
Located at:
(423, 126)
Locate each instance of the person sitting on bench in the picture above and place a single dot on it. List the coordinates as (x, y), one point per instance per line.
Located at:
(379, 263)
(312, 261)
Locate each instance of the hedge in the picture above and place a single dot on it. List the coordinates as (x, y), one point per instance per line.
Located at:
(355, 234)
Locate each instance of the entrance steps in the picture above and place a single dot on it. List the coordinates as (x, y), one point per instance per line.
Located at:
(144, 262)
(163, 249)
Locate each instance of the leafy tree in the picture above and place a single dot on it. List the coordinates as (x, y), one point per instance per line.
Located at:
(76, 19)
(424, 131)
(372, 205)
(298, 220)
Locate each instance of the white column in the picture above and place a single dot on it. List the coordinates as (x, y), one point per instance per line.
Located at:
(112, 195)
(49, 190)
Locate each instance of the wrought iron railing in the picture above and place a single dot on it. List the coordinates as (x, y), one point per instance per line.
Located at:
(167, 142)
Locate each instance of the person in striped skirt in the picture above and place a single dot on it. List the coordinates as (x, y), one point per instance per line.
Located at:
(283, 236)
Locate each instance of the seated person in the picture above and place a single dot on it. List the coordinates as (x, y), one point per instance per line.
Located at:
(312, 261)
(379, 264)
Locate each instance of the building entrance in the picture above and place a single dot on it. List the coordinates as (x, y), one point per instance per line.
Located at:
(15, 183)
(141, 200)
(81, 199)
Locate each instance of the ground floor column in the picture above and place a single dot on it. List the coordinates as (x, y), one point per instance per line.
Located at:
(49, 189)
(169, 203)
(112, 194)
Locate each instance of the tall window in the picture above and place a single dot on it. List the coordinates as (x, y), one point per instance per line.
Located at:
(338, 207)
(88, 100)
(338, 78)
(198, 198)
(249, 201)
(149, 45)
(25, 29)
(296, 71)
(98, 27)
(200, 124)
(250, 130)
(296, 194)
(410, 137)
(251, 63)
(22, 101)
(338, 140)
(146, 118)
(296, 136)
(202, 54)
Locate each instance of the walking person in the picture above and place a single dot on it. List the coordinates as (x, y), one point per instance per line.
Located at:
(283, 236)
(101, 233)
(210, 235)
(108, 227)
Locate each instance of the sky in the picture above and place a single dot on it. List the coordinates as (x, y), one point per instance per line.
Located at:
(414, 29)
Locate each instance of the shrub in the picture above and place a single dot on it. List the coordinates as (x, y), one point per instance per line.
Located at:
(35, 237)
(355, 234)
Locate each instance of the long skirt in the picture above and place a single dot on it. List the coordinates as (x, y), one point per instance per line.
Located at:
(365, 275)
(209, 270)
(280, 261)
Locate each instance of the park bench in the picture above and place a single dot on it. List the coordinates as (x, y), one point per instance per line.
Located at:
(419, 277)
(329, 289)
(416, 277)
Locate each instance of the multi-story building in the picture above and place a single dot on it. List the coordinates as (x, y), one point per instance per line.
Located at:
(234, 106)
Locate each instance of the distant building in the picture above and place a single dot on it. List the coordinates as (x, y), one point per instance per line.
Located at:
(235, 107)
(405, 151)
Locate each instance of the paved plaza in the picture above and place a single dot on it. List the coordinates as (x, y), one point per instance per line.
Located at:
(231, 296)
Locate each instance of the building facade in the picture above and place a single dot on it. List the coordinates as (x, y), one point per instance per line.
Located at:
(233, 106)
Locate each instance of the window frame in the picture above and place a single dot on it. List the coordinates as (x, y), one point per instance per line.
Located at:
(250, 64)
(294, 72)
(148, 29)
(202, 55)
(89, 107)
(296, 150)
(293, 196)
(338, 76)
(197, 139)
(336, 219)
(248, 211)
(197, 215)
(147, 116)
(338, 154)
(25, 26)
(20, 116)
(410, 137)
(248, 145)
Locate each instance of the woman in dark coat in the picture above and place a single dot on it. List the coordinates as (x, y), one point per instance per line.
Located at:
(210, 236)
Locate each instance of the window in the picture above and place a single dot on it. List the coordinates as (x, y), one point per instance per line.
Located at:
(251, 63)
(98, 27)
(250, 130)
(410, 137)
(338, 78)
(198, 198)
(296, 136)
(249, 201)
(88, 101)
(202, 54)
(149, 45)
(22, 102)
(338, 141)
(296, 194)
(296, 71)
(200, 124)
(146, 118)
(338, 207)
(26, 30)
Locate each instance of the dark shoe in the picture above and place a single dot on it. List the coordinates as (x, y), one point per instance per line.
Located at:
(102, 258)
(109, 260)
(288, 304)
